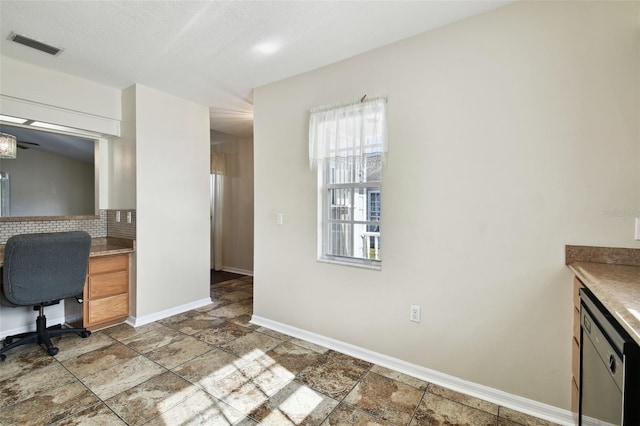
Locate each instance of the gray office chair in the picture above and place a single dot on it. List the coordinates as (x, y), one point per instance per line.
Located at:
(40, 270)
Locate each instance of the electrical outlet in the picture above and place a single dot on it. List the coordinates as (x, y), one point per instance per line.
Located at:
(279, 218)
(415, 313)
(118, 216)
(638, 228)
(128, 217)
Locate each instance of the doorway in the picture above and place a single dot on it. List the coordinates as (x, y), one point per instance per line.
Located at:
(231, 185)
(216, 196)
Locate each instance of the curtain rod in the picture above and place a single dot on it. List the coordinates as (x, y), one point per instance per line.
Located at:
(363, 99)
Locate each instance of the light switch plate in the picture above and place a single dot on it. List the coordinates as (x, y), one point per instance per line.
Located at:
(415, 314)
(279, 218)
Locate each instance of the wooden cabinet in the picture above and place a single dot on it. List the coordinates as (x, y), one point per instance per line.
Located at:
(575, 349)
(106, 294)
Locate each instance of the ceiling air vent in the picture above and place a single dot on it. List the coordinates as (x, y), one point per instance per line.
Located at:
(35, 44)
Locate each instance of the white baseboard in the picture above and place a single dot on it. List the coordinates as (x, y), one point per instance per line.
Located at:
(30, 327)
(132, 320)
(138, 321)
(504, 399)
(237, 271)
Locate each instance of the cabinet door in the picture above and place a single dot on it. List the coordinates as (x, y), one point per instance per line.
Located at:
(575, 347)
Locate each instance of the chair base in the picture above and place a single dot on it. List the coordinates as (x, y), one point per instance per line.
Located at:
(42, 336)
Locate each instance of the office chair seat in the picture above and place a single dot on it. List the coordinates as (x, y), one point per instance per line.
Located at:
(40, 270)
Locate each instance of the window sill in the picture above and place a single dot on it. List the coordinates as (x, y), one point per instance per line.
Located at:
(362, 265)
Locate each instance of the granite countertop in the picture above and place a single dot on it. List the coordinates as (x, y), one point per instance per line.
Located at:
(613, 276)
(110, 245)
(100, 247)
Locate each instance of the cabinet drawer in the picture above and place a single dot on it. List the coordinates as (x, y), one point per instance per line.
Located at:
(575, 361)
(575, 398)
(576, 325)
(108, 284)
(100, 265)
(108, 308)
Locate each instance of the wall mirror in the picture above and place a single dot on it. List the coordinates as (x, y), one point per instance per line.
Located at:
(53, 175)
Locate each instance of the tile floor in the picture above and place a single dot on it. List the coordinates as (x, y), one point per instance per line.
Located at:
(212, 367)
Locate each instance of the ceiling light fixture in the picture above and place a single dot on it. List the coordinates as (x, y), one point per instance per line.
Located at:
(11, 119)
(51, 126)
(34, 44)
(267, 48)
(8, 146)
(64, 129)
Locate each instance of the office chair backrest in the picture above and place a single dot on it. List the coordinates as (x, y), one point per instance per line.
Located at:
(44, 268)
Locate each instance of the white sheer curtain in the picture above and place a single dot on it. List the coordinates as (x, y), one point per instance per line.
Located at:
(348, 131)
(218, 169)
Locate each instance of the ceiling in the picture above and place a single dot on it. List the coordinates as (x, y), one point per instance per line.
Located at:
(209, 51)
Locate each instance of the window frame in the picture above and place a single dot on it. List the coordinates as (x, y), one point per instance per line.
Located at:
(343, 138)
(324, 218)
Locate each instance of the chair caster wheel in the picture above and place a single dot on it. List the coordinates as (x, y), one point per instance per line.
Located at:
(2, 357)
(85, 334)
(8, 340)
(52, 351)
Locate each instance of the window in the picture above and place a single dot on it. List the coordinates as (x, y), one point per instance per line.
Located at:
(346, 146)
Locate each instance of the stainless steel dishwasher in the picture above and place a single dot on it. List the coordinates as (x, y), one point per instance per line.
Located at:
(609, 374)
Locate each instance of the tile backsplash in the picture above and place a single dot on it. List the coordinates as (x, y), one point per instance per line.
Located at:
(104, 226)
(121, 229)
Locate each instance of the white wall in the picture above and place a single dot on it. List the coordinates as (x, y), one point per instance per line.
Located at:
(45, 184)
(512, 133)
(172, 192)
(237, 245)
(122, 157)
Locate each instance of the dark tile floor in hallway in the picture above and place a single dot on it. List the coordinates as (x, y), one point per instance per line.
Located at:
(210, 366)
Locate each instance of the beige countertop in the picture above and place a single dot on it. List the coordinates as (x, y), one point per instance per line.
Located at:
(100, 247)
(109, 245)
(617, 287)
(613, 276)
